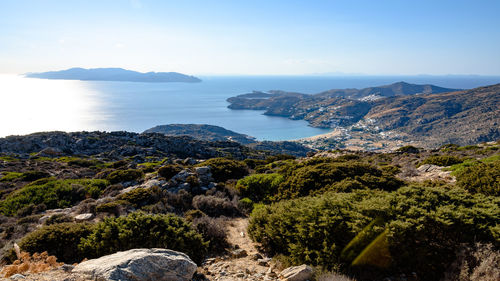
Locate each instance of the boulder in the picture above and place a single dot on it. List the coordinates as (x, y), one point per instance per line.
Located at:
(297, 273)
(84, 217)
(140, 264)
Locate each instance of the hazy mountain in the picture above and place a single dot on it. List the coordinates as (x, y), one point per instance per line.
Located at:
(114, 74)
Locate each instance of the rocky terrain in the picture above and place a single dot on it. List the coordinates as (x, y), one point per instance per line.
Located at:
(116, 145)
(126, 206)
(216, 133)
(201, 131)
(427, 114)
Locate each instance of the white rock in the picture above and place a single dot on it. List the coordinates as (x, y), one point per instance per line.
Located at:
(297, 273)
(17, 276)
(84, 217)
(140, 264)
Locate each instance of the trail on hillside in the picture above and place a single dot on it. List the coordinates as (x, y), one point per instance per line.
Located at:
(253, 266)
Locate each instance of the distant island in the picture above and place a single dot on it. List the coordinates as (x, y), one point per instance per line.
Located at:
(114, 74)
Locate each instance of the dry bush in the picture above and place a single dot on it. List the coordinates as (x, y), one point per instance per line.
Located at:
(31, 264)
(216, 206)
(212, 230)
(477, 263)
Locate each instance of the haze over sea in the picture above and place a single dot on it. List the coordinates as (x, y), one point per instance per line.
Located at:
(32, 105)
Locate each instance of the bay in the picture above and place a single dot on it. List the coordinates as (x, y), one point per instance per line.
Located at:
(31, 105)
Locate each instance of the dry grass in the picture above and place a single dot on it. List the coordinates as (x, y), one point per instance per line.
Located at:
(26, 263)
(478, 263)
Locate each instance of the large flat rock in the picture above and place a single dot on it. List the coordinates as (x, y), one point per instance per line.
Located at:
(140, 264)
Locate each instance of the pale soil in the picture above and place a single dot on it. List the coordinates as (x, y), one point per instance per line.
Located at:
(334, 133)
(245, 268)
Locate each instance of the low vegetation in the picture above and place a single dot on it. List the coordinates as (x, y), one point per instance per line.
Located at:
(224, 169)
(411, 224)
(358, 214)
(50, 193)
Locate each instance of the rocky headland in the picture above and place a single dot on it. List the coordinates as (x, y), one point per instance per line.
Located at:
(426, 115)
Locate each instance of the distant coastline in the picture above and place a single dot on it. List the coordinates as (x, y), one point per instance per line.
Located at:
(114, 74)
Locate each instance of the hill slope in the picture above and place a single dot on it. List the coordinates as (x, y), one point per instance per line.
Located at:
(201, 131)
(462, 117)
(113, 74)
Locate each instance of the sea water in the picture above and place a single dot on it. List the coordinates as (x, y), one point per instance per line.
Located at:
(32, 105)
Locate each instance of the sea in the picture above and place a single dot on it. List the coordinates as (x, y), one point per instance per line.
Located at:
(31, 105)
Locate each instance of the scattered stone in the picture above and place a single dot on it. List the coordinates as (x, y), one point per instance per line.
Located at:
(256, 257)
(84, 217)
(297, 273)
(43, 219)
(263, 261)
(151, 183)
(67, 267)
(17, 276)
(140, 264)
(239, 253)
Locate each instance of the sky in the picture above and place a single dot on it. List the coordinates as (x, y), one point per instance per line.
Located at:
(233, 37)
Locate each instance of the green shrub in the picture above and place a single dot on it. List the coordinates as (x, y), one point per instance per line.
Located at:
(252, 163)
(27, 176)
(58, 218)
(259, 187)
(481, 177)
(52, 193)
(442, 160)
(246, 205)
(79, 162)
(319, 176)
(408, 149)
(125, 175)
(149, 167)
(138, 197)
(352, 250)
(168, 171)
(422, 223)
(60, 240)
(34, 175)
(10, 176)
(139, 230)
(223, 169)
(113, 207)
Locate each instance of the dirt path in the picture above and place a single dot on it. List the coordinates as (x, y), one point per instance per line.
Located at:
(237, 265)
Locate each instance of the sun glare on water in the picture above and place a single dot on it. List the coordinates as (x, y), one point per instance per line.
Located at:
(34, 105)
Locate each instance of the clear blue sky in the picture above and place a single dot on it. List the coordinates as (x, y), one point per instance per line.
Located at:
(252, 36)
